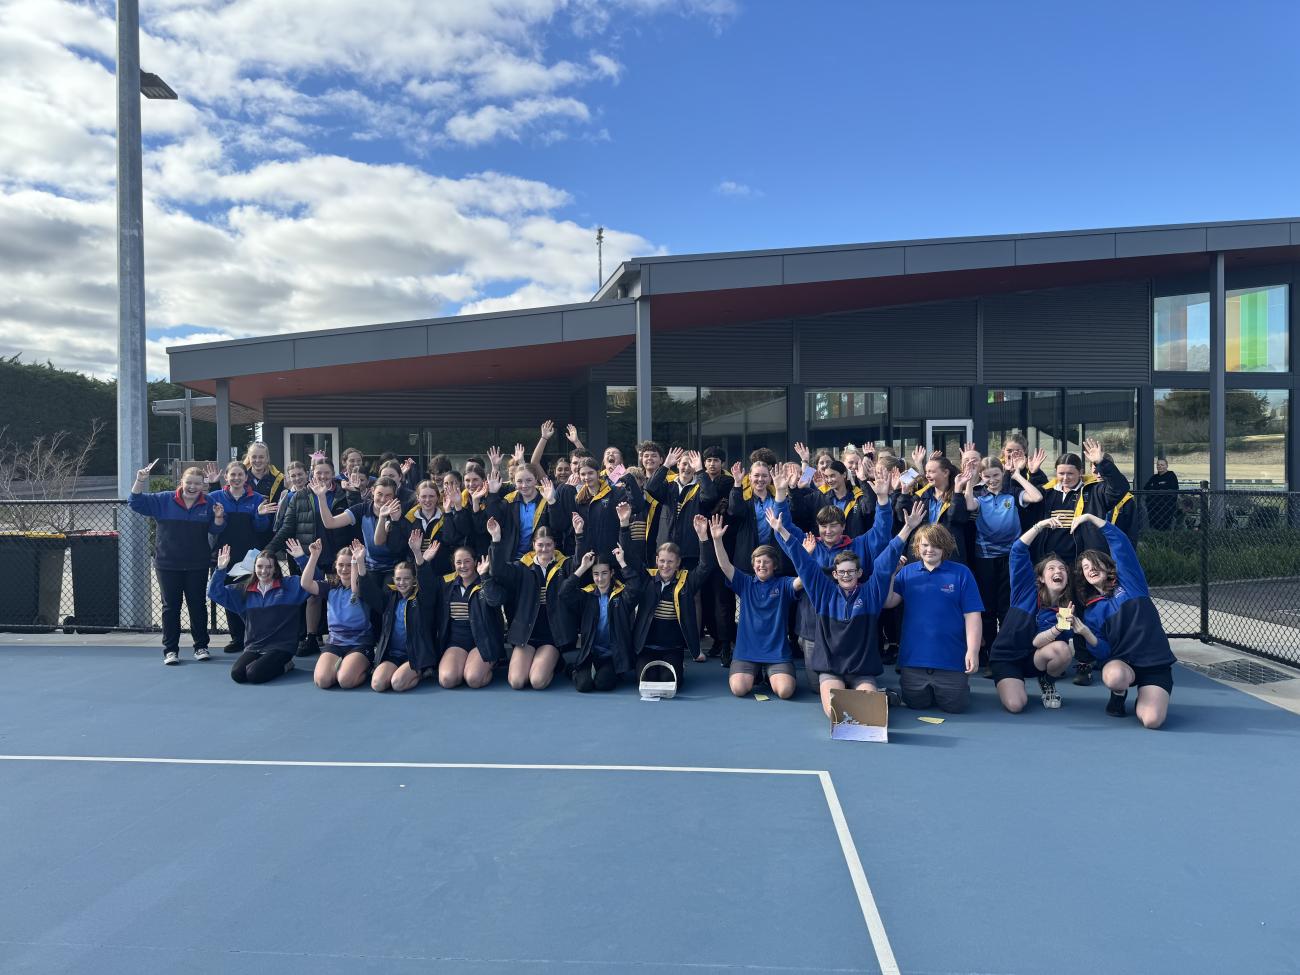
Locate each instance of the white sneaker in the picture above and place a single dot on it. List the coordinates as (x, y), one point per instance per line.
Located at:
(201, 653)
(171, 657)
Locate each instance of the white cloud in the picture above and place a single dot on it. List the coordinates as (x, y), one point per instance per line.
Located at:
(256, 222)
(730, 187)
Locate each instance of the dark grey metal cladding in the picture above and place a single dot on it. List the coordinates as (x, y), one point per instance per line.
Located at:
(715, 275)
(932, 343)
(930, 258)
(844, 265)
(514, 404)
(1054, 250)
(1069, 335)
(1144, 243)
(1249, 235)
(755, 354)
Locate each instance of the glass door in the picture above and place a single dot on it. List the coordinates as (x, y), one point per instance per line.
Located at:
(301, 442)
(948, 436)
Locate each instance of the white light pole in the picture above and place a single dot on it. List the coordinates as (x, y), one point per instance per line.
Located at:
(132, 389)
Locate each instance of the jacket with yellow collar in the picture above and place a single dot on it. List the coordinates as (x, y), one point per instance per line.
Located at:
(679, 506)
(525, 584)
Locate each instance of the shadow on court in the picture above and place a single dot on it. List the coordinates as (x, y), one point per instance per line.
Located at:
(1044, 842)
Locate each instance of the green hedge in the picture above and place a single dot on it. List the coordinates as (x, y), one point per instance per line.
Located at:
(1174, 558)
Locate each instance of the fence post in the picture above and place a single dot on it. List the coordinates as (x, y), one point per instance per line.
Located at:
(1205, 562)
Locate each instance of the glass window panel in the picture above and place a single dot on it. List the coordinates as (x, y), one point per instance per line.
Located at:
(1182, 333)
(1108, 415)
(1256, 439)
(375, 441)
(742, 420)
(837, 418)
(1032, 412)
(620, 417)
(1256, 330)
(1182, 433)
(673, 411)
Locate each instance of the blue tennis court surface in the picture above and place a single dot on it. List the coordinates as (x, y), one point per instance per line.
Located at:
(1047, 842)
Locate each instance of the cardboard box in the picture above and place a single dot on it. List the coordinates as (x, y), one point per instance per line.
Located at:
(859, 715)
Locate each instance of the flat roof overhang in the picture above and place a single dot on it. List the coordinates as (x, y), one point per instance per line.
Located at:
(467, 350)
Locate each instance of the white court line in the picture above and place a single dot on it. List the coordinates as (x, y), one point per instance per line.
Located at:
(866, 900)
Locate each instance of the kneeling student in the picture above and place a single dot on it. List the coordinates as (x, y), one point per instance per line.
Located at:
(845, 652)
(269, 605)
(407, 607)
(347, 657)
(605, 610)
(469, 625)
(942, 623)
(762, 647)
(1122, 626)
(1035, 639)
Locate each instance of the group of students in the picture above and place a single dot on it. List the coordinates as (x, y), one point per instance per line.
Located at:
(598, 570)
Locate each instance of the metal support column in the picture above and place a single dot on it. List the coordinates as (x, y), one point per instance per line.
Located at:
(644, 421)
(1144, 460)
(223, 422)
(187, 427)
(132, 406)
(979, 416)
(1218, 366)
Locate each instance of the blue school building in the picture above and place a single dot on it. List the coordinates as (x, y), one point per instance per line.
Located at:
(1163, 341)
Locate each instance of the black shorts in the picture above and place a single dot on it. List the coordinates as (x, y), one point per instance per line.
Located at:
(751, 669)
(1161, 676)
(1021, 669)
(343, 651)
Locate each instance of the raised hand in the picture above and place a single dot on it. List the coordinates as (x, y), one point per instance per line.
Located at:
(936, 454)
(356, 480)
(801, 450)
(142, 475)
(413, 543)
(218, 512)
(319, 488)
(969, 448)
(575, 478)
(1036, 461)
(484, 566)
(588, 560)
(895, 479)
(548, 429)
(818, 479)
(358, 550)
(223, 557)
(494, 457)
(916, 517)
(773, 518)
(780, 479)
(1085, 519)
(494, 481)
(407, 465)
(618, 556)
(717, 527)
(869, 450)
(518, 453)
(624, 511)
(1092, 451)
(451, 499)
(674, 455)
(919, 454)
(571, 434)
(701, 526)
(316, 547)
(432, 550)
(737, 473)
(494, 529)
(809, 544)
(578, 524)
(268, 508)
(392, 510)
(293, 547)
(548, 490)
(211, 472)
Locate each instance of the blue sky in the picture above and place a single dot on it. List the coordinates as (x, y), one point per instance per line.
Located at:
(337, 162)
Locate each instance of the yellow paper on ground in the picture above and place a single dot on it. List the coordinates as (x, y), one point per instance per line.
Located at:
(760, 697)
(929, 720)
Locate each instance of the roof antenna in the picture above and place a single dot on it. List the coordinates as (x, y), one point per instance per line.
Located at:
(600, 257)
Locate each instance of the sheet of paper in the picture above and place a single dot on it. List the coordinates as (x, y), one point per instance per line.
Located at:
(929, 720)
(761, 697)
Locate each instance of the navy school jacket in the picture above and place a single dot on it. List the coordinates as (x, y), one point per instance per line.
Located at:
(1126, 622)
(506, 507)
(1094, 495)
(270, 618)
(523, 582)
(421, 612)
(1025, 618)
(584, 601)
(183, 537)
(245, 528)
(486, 597)
(680, 508)
(846, 637)
(643, 582)
(600, 522)
(858, 508)
(741, 514)
(442, 529)
(953, 515)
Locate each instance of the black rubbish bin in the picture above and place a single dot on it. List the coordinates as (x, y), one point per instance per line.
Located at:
(95, 582)
(29, 597)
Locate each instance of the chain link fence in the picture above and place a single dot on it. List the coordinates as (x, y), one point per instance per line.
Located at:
(69, 566)
(1222, 567)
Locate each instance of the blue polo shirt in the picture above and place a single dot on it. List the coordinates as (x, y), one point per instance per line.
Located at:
(600, 645)
(934, 607)
(934, 507)
(764, 608)
(527, 511)
(378, 558)
(997, 524)
(397, 647)
(763, 531)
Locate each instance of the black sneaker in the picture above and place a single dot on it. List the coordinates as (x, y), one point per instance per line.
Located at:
(724, 656)
(1047, 687)
(308, 645)
(1115, 706)
(889, 654)
(1083, 674)
(233, 647)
